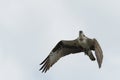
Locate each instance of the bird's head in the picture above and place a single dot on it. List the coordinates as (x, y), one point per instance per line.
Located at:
(81, 35)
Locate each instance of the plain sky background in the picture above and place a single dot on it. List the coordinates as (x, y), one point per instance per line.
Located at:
(29, 29)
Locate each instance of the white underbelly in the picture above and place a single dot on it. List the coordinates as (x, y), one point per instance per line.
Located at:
(83, 43)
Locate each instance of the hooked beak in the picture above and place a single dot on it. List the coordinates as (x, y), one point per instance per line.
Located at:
(80, 32)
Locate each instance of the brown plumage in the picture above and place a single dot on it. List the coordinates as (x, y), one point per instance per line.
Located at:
(81, 44)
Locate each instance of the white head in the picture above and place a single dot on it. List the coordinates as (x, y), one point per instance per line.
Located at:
(81, 35)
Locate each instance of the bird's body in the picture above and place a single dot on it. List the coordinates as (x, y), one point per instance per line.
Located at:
(81, 44)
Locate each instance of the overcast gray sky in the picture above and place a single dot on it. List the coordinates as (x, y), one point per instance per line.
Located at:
(29, 29)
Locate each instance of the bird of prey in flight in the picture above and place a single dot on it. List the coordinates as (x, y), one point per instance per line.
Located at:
(66, 47)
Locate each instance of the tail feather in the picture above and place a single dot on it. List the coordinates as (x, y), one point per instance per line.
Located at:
(91, 56)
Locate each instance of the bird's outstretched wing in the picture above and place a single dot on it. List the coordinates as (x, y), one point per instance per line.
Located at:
(61, 49)
(98, 52)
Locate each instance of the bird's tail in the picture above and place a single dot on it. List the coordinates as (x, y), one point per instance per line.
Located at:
(91, 56)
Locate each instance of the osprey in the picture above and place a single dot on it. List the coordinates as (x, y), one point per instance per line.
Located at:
(81, 44)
